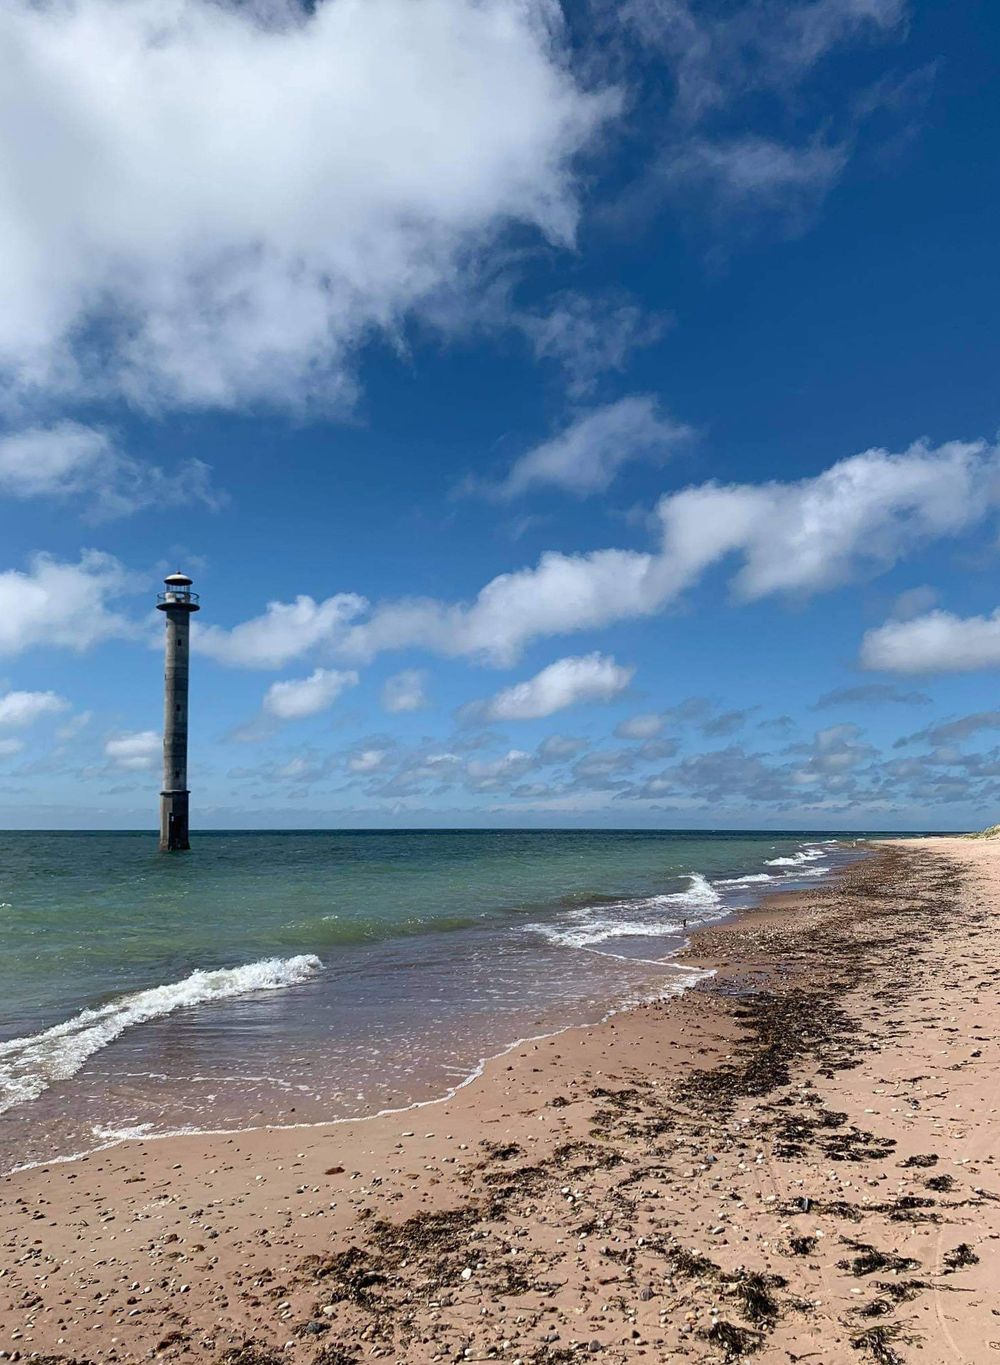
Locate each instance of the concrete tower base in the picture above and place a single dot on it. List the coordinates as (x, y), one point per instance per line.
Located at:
(174, 835)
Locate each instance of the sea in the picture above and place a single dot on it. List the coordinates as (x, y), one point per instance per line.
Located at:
(306, 976)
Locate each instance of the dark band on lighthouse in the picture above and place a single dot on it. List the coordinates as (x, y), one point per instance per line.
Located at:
(177, 603)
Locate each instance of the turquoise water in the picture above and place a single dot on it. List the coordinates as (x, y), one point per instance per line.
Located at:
(288, 977)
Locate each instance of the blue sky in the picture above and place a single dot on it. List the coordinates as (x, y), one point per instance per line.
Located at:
(577, 417)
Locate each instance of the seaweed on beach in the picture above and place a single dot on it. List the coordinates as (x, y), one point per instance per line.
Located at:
(869, 1259)
(876, 1343)
(753, 1294)
(928, 1159)
(332, 1354)
(501, 1151)
(251, 1353)
(735, 1342)
(959, 1257)
(944, 1184)
(346, 1276)
(59, 1360)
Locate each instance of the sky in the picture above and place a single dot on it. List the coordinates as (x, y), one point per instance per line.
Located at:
(577, 416)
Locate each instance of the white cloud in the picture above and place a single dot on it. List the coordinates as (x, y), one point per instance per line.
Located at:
(938, 642)
(718, 55)
(247, 192)
(137, 751)
(61, 604)
(367, 760)
(855, 519)
(20, 709)
(74, 726)
(84, 463)
(487, 773)
(10, 747)
(558, 748)
(729, 67)
(759, 174)
(588, 336)
(567, 682)
(285, 631)
(300, 697)
(587, 456)
(405, 691)
(646, 726)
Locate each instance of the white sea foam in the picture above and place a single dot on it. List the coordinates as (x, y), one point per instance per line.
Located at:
(752, 879)
(804, 855)
(644, 918)
(28, 1066)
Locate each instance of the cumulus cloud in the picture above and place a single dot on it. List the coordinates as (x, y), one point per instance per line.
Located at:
(62, 604)
(586, 456)
(856, 519)
(366, 761)
(21, 709)
(301, 697)
(947, 732)
(646, 726)
(938, 642)
(567, 682)
(69, 460)
(137, 751)
(484, 774)
(558, 748)
(248, 192)
(405, 691)
(284, 631)
(868, 694)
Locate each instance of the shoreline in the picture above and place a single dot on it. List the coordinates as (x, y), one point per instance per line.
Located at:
(587, 1104)
(107, 1137)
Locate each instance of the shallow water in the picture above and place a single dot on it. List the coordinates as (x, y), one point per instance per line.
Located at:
(294, 977)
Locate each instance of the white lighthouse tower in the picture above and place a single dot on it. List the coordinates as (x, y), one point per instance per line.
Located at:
(177, 604)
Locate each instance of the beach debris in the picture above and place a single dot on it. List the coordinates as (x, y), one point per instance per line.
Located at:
(251, 1352)
(869, 1259)
(876, 1343)
(735, 1342)
(959, 1256)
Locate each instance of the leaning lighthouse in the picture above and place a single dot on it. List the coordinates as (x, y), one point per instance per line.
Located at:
(177, 603)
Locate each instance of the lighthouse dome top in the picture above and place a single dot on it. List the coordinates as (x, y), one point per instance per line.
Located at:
(178, 595)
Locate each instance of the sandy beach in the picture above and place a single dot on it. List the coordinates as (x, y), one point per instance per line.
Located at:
(794, 1160)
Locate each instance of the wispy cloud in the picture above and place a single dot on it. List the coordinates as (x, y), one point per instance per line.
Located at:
(586, 456)
(69, 461)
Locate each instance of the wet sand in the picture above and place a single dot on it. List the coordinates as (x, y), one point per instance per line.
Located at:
(793, 1161)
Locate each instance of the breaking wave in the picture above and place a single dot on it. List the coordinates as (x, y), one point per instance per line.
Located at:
(28, 1066)
(805, 855)
(645, 918)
